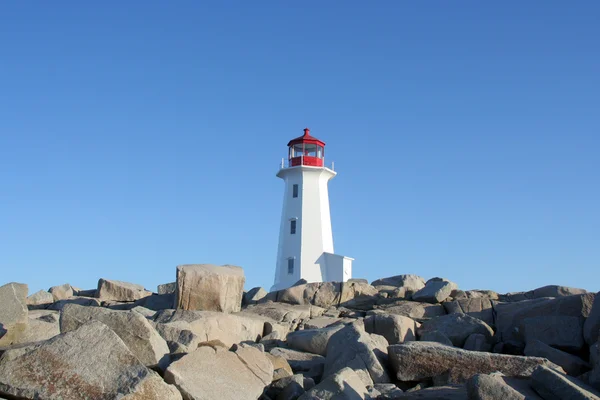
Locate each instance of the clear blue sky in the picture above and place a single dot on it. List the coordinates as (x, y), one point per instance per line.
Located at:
(137, 136)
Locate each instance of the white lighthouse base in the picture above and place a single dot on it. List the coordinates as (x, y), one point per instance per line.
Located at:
(333, 268)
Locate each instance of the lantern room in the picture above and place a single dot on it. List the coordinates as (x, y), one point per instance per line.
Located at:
(306, 150)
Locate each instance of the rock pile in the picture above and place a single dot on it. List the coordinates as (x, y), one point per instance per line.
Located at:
(203, 337)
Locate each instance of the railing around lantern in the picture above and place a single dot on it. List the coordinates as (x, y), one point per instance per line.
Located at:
(298, 161)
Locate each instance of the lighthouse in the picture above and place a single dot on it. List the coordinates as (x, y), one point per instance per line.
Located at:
(305, 248)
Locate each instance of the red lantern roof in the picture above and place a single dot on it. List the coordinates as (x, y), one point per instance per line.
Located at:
(306, 138)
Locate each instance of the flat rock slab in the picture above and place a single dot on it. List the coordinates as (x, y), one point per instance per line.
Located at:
(415, 310)
(89, 363)
(411, 282)
(210, 287)
(436, 290)
(210, 373)
(13, 312)
(40, 297)
(110, 290)
(572, 365)
(552, 385)
(416, 361)
(312, 340)
(133, 328)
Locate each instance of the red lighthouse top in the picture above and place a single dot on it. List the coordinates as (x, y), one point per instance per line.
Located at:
(306, 150)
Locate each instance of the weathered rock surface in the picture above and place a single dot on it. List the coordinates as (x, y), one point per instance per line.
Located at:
(436, 290)
(572, 365)
(352, 347)
(286, 314)
(42, 325)
(496, 387)
(478, 307)
(477, 342)
(136, 332)
(299, 361)
(435, 336)
(552, 385)
(345, 384)
(415, 310)
(40, 297)
(561, 331)
(226, 375)
(210, 325)
(312, 340)
(457, 327)
(449, 392)
(175, 333)
(209, 287)
(167, 288)
(89, 363)
(510, 317)
(411, 282)
(591, 328)
(82, 301)
(254, 295)
(13, 312)
(595, 359)
(415, 361)
(110, 290)
(395, 328)
(61, 292)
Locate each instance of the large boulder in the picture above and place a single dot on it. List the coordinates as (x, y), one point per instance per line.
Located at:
(136, 332)
(563, 332)
(345, 384)
(436, 290)
(13, 312)
(498, 387)
(477, 307)
(591, 328)
(254, 295)
(40, 298)
(212, 325)
(572, 365)
(511, 318)
(289, 315)
(395, 328)
(89, 363)
(42, 325)
(352, 347)
(552, 385)
(167, 288)
(110, 290)
(411, 282)
(82, 301)
(61, 292)
(312, 340)
(216, 373)
(415, 361)
(210, 287)
(456, 327)
(412, 309)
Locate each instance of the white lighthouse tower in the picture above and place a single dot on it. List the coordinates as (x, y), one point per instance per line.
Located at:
(305, 239)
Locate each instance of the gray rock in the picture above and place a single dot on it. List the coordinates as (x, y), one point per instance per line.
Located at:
(478, 307)
(408, 281)
(299, 361)
(167, 288)
(345, 384)
(312, 340)
(136, 332)
(436, 290)
(415, 310)
(61, 292)
(572, 365)
(477, 342)
(157, 302)
(510, 316)
(254, 295)
(185, 338)
(209, 287)
(42, 325)
(560, 331)
(395, 328)
(552, 385)
(81, 301)
(554, 291)
(288, 387)
(146, 312)
(595, 359)
(287, 314)
(591, 328)
(449, 392)
(388, 390)
(216, 373)
(496, 387)
(416, 361)
(40, 297)
(476, 294)
(110, 290)
(324, 322)
(89, 363)
(13, 312)
(457, 327)
(211, 325)
(84, 293)
(352, 347)
(437, 337)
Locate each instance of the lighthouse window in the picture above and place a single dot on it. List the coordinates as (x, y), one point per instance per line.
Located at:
(310, 150)
(295, 191)
(298, 150)
(293, 227)
(290, 266)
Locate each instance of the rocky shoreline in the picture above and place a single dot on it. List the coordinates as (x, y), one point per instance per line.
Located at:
(203, 337)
